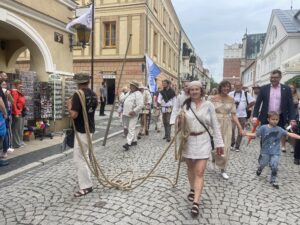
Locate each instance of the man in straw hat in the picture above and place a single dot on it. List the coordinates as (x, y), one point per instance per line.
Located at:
(132, 105)
(145, 113)
(76, 113)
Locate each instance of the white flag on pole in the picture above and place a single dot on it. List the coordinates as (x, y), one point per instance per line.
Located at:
(85, 19)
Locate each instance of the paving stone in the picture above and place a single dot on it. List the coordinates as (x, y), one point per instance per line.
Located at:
(44, 195)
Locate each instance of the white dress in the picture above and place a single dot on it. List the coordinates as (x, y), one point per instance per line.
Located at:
(199, 147)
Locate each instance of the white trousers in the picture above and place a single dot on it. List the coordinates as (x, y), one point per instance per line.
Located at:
(83, 171)
(130, 123)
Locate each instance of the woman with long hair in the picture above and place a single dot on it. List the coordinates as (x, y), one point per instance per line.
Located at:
(199, 117)
(226, 113)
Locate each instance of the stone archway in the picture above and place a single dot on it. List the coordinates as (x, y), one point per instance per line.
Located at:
(18, 30)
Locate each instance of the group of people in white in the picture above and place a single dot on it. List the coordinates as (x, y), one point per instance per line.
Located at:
(212, 122)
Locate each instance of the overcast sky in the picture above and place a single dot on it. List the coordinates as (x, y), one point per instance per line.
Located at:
(210, 24)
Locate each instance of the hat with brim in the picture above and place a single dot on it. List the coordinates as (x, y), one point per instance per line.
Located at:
(135, 83)
(81, 78)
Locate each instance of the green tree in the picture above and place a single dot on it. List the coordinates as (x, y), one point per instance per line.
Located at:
(213, 84)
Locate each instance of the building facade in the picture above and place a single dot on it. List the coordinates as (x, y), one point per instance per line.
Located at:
(232, 62)
(281, 48)
(155, 31)
(29, 31)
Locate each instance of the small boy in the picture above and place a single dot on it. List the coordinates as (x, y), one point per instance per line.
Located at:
(270, 145)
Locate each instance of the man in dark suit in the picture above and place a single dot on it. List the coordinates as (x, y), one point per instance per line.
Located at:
(274, 97)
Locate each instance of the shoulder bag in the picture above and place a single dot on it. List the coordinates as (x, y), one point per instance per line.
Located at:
(211, 137)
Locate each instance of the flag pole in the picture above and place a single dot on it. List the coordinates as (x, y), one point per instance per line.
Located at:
(118, 86)
(92, 45)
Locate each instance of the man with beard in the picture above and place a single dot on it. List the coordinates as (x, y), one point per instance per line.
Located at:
(166, 100)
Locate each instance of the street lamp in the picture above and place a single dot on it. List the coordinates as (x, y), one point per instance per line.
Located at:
(192, 63)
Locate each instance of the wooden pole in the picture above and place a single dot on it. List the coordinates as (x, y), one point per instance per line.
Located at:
(118, 86)
(92, 44)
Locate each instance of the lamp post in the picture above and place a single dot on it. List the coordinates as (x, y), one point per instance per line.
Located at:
(192, 63)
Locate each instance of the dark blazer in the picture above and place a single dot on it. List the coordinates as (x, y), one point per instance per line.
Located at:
(286, 104)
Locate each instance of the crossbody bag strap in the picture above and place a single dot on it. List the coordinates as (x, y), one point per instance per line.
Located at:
(201, 123)
(246, 95)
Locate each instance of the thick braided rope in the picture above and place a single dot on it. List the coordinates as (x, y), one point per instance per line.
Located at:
(97, 171)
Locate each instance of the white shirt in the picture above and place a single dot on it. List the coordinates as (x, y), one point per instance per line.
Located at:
(177, 106)
(133, 101)
(241, 98)
(164, 104)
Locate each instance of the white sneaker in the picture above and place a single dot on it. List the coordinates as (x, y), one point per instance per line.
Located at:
(10, 150)
(225, 176)
(3, 155)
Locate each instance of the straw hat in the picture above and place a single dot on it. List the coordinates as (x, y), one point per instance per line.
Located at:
(135, 83)
(81, 78)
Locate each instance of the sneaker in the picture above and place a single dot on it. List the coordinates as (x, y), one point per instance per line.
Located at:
(134, 143)
(3, 155)
(225, 176)
(258, 172)
(10, 150)
(283, 149)
(237, 149)
(275, 185)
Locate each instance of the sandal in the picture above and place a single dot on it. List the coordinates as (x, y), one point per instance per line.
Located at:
(83, 192)
(195, 209)
(191, 195)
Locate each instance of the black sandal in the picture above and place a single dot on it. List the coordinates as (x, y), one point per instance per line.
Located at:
(195, 209)
(83, 192)
(191, 195)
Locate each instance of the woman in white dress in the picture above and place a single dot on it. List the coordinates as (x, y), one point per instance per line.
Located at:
(198, 146)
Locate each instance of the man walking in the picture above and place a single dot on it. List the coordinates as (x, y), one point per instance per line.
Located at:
(76, 110)
(243, 102)
(275, 97)
(146, 112)
(103, 98)
(166, 100)
(132, 105)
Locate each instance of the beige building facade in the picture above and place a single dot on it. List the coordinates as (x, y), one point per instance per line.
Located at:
(155, 30)
(33, 38)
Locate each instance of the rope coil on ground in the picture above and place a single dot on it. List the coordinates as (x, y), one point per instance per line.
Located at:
(115, 181)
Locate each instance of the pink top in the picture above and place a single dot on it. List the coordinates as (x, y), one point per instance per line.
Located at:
(275, 99)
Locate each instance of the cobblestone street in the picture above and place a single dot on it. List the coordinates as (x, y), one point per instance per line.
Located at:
(45, 195)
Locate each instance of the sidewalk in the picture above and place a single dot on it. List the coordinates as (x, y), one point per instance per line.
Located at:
(38, 151)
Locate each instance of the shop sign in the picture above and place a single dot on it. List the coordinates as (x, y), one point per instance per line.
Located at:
(58, 37)
(109, 74)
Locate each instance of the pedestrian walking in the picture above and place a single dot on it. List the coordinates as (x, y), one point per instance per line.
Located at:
(200, 117)
(243, 102)
(275, 97)
(156, 115)
(166, 100)
(103, 98)
(226, 113)
(76, 110)
(18, 114)
(296, 99)
(7, 100)
(132, 105)
(271, 135)
(145, 114)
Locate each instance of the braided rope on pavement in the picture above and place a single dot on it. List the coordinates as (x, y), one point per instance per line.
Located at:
(115, 182)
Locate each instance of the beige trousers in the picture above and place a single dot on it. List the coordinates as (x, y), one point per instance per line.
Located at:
(83, 171)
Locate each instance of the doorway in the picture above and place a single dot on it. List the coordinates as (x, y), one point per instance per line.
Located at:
(110, 83)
